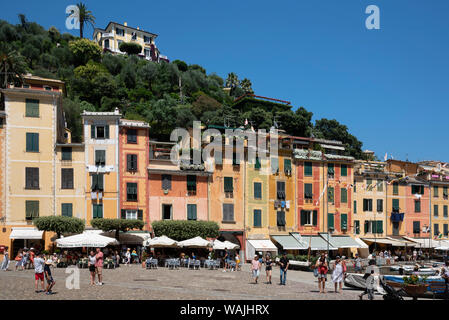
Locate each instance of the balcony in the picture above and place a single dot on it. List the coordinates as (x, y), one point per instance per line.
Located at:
(107, 35)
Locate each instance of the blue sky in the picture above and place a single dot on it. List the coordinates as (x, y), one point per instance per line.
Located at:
(389, 86)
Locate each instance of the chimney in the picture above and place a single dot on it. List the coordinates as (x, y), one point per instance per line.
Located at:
(125, 24)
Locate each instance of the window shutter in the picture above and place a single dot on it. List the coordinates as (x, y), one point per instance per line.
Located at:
(303, 217)
(395, 204)
(344, 195)
(106, 130)
(330, 169)
(380, 227)
(274, 165)
(166, 182)
(308, 194)
(315, 218)
(357, 226)
(257, 218)
(373, 226)
(435, 210)
(257, 190)
(140, 214)
(36, 142)
(355, 206)
(287, 165)
(344, 170)
(330, 221)
(92, 132)
(445, 211)
(330, 194)
(417, 205)
(380, 205)
(257, 165)
(123, 214)
(32, 108)
(344, 222)
(380, 185)
(281, 218)
(416, 227)
(228, 184)
(395, 188)
(29, 142)
(100, 181)
(308, 169)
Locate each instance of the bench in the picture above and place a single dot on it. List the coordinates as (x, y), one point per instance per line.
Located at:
(436, 287)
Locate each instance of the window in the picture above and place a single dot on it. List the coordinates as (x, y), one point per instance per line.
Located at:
(417, 205)
(330, 194)
(130, 214)
(367, 227)
(120, 32)
(166, 182)
(445, 211)
(308, 169)
(436, 229)
(380, 186)
(235, 161)
(106, 43)
(435, 191)
(395, 188)
(330, 221)
(32, 108)
(100, 157)
(99, 131)
(32, 142)
(280, 190)
(288, 166)
(309, 218)
(191, 212)
(355, 206)
(146, 39)
(66, 209)
(167, 211)
(377, 226)
(274, 165)
(131, 136)
(369, 182)
(368, 205)
(146, 52)
(97, 211)
(191, 185)
(257, 223)
(257, 190)
(435, 210)
(344, 221)
(131, 192)
(228, 187)
(380, 205)
(330, 170)
(131, 162)
(280, 221)
(355, 187)
(344, 170)
(308, 193)
(67, 178)
(66, 153)
(133, 35)
(344, 195)
(356, 226)
(445, 193)
(31, 178)
(446, 230)
(97, 182)
(395, 205)
(257, 164)
(416, 227)
(228, 212)
(31, 209)
(417, 189)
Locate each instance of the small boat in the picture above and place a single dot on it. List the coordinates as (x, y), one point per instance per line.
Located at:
(398, 281)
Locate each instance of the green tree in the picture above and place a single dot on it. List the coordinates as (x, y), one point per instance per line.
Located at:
(182, 66)
(246, 85)
(12, 65)
(117, 225)
(84, 17)
(59, 224)
(130, 48)
(182, 230)
(232, 81)
(84, 50)
(296, 123)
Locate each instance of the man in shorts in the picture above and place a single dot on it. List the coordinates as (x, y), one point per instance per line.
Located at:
(48, 276)
(99, 266)
(39, 272)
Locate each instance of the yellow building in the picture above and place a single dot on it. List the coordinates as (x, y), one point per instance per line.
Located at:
(70, 178)
(115, 33)
(35, 124)
(101, 131)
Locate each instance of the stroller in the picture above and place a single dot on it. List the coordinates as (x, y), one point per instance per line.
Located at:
(391, 293)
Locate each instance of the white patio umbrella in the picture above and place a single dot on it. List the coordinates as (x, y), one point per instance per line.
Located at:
(161, 242)
(219, 245)
(196, 242)
(86, 239)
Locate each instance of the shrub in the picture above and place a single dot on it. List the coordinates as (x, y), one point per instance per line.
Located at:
(130, 48)
(59, 224)
(181, 229)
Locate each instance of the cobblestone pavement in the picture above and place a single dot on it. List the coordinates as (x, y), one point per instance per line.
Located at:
(135, 283)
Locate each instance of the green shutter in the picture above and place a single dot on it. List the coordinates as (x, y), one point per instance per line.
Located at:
(417, 205)
(357, 226)
(308, 193)
(435, 210)
(330, 194)
(31, 209)
(191, 212)
(32, 142)
(191, 182)
(435, 191)
(257, 190)
(257, 165)
(395, 204)
(330, 221)
(106, 130)
(355, 206)
(344, 221)
(228, 184)
(330, 169)
(366, 227)
(380, 227)
(32, 108)
(315, 218)
(445, 211)
(395, 188)
(445, 192)
(257, 218)
(373, 226)
(92, 132)
(344, 195)
(308, 169)
(123, 214)
(287, 165)
(67, 209)
(66, 153)
(303, 217)
(344, 170)
(140, 214)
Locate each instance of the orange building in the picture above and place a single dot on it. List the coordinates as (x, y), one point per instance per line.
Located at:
(133, 177)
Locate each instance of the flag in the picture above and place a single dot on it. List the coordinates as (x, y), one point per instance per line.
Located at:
(386, 157)
(321, 195)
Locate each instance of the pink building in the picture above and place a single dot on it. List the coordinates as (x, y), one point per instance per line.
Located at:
(417, 214)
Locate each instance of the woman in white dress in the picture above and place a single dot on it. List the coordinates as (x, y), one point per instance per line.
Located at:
(337, 274)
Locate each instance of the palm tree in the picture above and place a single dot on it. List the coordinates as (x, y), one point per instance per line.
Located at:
(84, 17)
(246, 85)
(12, 65)
(232, 81)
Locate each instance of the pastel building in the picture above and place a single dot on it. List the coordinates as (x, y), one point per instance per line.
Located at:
(177, 191)
(133, 180)
(34, 126)
(101, 157)
(115, 33)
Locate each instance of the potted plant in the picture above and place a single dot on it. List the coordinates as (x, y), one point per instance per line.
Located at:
(415, 286)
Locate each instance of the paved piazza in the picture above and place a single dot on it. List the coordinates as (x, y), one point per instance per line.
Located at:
(136, 283)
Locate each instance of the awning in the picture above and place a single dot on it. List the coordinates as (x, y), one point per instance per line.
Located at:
(317, 243)
(263, 245)
(25, 233)
(390, 241)
(341, 242)
(129, 237)
(428, 243)
(289, 242)
(361, 243)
